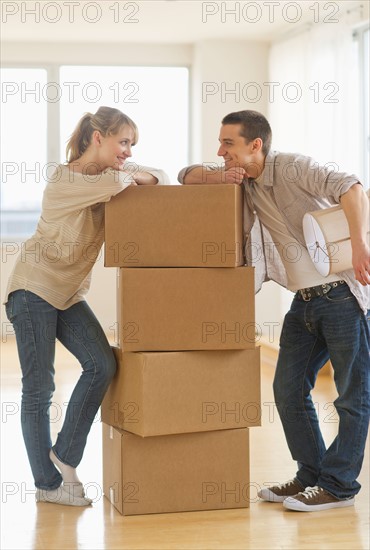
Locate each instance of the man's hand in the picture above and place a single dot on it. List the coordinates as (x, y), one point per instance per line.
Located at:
(235, 174)
(361, 263)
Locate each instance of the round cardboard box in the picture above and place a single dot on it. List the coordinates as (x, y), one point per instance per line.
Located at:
(327, 239)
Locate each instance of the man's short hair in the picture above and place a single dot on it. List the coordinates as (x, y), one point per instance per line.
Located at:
(253, 125)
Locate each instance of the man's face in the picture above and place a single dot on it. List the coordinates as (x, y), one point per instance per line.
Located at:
(233, 148)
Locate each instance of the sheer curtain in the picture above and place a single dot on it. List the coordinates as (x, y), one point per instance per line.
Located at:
(316, 106)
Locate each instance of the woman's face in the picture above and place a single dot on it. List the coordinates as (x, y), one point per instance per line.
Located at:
(115, 149)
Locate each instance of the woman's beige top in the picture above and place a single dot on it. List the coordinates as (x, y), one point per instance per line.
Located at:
(56, 262)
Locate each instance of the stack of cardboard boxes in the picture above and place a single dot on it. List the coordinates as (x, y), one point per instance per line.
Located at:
(187, 388)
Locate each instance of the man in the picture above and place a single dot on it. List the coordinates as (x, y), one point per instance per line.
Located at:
(329, 317)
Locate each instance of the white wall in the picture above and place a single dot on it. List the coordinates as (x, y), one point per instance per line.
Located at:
(220, 70)
(95, 53)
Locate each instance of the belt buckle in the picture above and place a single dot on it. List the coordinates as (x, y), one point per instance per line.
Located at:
(306, 297)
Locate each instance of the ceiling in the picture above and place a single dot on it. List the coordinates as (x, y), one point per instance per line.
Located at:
(171, 21)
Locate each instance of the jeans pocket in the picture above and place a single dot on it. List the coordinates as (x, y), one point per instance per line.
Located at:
(33, 298)
(9, 307)
(339, 300)
(339, 295)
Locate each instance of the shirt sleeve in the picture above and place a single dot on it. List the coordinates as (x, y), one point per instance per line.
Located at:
(74, 191)
(320, 181)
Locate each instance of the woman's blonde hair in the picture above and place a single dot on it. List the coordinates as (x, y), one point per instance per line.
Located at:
(106, 120)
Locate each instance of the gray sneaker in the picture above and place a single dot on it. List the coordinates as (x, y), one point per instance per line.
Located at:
(314, 499)
(278, 493)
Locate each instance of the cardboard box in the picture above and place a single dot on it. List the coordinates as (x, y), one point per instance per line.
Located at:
(161, 393)
(176, 473)
(164, 309)
(175, 226)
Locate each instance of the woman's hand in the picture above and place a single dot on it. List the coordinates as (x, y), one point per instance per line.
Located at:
(144, 178)
(138, 177)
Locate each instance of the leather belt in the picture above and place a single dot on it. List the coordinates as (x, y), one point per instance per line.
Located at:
(311, 292)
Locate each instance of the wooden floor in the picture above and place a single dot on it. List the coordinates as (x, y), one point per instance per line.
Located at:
(25, 525)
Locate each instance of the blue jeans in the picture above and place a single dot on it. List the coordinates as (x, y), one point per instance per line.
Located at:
(332, 326)
(37, 325)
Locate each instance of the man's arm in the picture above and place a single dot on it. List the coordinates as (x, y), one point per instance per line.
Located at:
(202, 174)
(355, 205)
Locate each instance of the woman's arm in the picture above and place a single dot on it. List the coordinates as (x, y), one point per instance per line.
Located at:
(145, 178)
(355, 205)
(146, 175)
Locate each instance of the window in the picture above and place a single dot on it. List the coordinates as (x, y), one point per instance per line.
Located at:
(41, 106)
(329, 119)
(363, 37)
(23, 147)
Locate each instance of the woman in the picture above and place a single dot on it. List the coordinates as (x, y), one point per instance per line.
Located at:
(45, 297)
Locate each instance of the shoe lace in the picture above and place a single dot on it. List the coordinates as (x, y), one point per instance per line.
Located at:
(287, 484)
(311, 492)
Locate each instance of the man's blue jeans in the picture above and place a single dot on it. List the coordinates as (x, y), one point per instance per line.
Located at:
(37, 325)
(331, 326)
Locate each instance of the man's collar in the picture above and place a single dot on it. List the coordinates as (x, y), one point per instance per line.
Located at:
(267, 175)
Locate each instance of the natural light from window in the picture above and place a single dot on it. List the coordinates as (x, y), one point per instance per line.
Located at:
(23, 143)
(156, 98)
